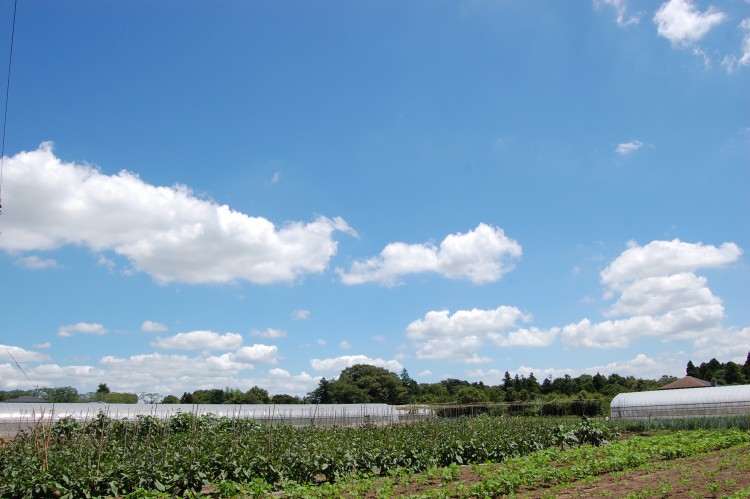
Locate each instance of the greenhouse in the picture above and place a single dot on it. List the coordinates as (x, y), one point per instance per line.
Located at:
(685, 403)
(15, 417)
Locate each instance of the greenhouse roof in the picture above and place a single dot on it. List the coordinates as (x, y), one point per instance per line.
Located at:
(711, 395)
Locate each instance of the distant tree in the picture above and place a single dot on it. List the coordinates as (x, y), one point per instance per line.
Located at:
(733, 374)
(65, 394)
(119, 398)
(170, 399)
(412, 387)
(380, 385)
(471, 395)
(746, 369)
(187, 398)
(285, 399)
(322, 394)
(212, 396)
(599, 382)
(256, 395)
(149, 397)
(691, 370)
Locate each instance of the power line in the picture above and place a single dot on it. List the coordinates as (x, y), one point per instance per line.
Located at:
(7, 95)
(36, 387)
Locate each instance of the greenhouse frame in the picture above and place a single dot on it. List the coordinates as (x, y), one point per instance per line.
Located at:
(684, 403)
(15, 417)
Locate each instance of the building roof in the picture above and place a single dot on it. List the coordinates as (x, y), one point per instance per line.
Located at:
(686, 382)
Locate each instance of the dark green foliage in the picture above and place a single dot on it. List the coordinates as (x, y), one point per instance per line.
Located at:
(180, 455)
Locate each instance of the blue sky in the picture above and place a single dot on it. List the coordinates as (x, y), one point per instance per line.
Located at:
(228, 194)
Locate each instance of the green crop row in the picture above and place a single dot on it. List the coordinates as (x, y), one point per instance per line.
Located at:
(182, 454)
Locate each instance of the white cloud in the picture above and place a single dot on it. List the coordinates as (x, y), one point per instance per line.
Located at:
(621, 8)
(655, 295)
(440, 324)
(34, 262)
(166, 232)
(732, 342)
(338, 364)
(269, 333)
(680, 22)
(199, 340)
(21, 354)
(46, 344)
(628, 147)
(82, 327)
(254, 354)
(345, 345)
(301, 315)
(458, 349)
(480, 256)
(680, 324)
(659, 296)
(531, 337)
(641, 366)
(732, 62)
(153, 327)
(458, 337)
(660, 258)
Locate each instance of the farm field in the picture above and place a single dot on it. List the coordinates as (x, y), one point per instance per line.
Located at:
(467, 457)
(570, 474)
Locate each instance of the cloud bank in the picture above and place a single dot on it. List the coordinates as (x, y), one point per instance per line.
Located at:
(480, 256)
(166, 232)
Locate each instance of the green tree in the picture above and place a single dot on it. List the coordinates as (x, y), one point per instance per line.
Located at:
(322, 394)
(256, 395)
(471, 395)
(62, 395)
(285, 399)
(170, 399)
(120, 398)
(380, 385)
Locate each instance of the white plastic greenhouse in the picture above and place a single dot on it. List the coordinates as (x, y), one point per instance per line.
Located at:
(685, 403)
(17, 416)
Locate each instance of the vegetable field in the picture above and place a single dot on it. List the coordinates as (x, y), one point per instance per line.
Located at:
(188, 455)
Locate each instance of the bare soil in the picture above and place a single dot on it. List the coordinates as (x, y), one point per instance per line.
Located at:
(714, 474)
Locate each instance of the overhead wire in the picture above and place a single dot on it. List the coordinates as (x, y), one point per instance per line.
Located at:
(7, 98)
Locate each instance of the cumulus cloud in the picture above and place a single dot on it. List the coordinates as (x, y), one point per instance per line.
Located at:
(22, 355)
(525, 337)
(733, 341)
(441, 324)
(268, 333)
(621, 8)
(628, 147)
(199, 340)
(458, 349)
(680, 22)
(82, 327)
(338, 364)
(658, 295)
(458, 336)
(732, 62)
(34, 262)
(660, 258)
(254, 354)
(166, 232)
(480, 256)
(153, 327)
(641, 366)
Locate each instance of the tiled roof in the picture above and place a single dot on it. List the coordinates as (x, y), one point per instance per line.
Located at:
(686, 382)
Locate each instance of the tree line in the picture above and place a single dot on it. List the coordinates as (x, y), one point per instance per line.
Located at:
(364, 383)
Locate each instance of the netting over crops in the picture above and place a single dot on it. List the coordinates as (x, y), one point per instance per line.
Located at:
(684, 403)
(19, 416)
